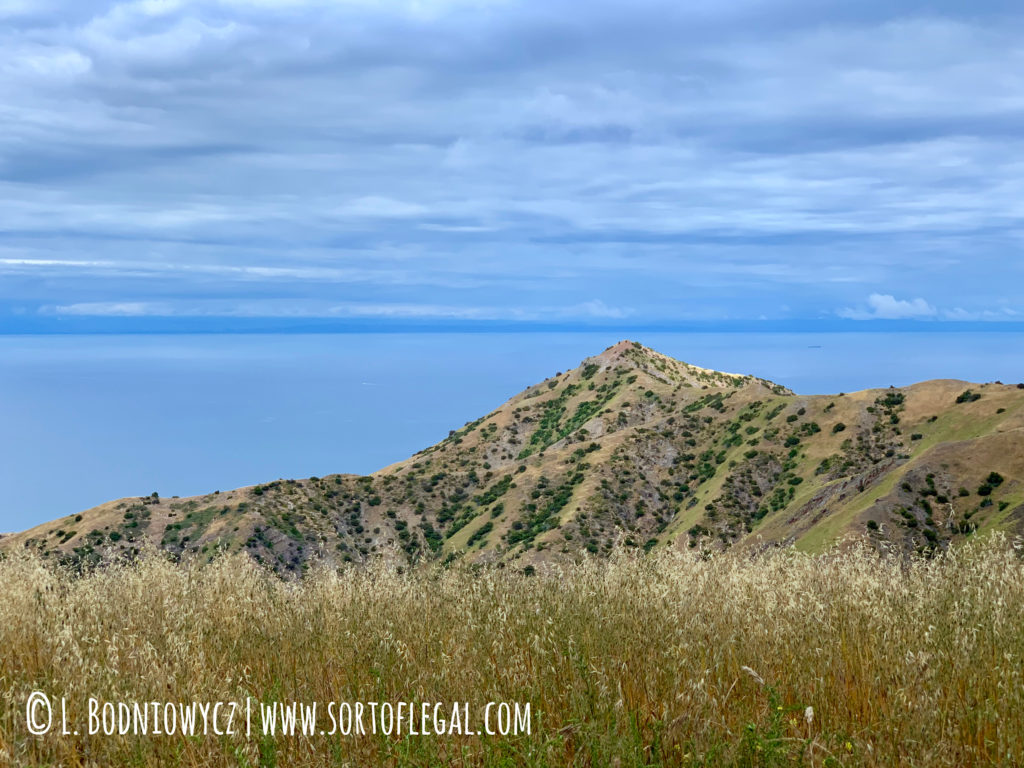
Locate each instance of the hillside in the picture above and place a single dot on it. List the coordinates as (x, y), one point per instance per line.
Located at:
(632, 448)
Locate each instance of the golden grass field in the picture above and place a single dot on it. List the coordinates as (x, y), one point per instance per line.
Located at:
(846, 659)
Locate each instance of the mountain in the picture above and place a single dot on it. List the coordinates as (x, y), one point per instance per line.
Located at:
(632, 448)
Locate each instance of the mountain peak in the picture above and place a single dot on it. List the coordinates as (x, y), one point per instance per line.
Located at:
(634, 355)
(618, 349)
(631, 353)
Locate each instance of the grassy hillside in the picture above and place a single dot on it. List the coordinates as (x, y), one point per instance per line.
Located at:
(849, 659)
(631, 448)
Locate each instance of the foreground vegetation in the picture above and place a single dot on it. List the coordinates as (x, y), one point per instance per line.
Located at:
(669, 659)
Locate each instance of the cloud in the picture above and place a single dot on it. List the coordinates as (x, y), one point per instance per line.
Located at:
(271, 308)
(268, 308)
(883, 306)
(513, 156)
(110, 309)
(382, 207)
(597, 308)
(240, 273)
(887, 307)
(987, 315)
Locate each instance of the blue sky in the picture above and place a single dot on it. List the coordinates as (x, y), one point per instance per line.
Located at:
(481, 161)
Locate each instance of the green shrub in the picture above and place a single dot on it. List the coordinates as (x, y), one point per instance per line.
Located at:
(967, 396)
(480, 533)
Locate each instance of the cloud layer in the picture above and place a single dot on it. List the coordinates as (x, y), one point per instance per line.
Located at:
(885, 307)
(494, 159)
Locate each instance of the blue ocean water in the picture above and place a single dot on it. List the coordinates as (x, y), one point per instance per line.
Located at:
(90, 418)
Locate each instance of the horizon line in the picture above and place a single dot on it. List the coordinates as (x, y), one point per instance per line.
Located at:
(298, 326)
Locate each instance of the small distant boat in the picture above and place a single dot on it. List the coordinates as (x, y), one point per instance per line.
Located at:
(814, 346)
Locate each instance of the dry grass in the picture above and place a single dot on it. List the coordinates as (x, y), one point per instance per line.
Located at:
(633, 662)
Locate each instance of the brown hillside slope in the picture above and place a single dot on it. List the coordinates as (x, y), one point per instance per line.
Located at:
(631, 448)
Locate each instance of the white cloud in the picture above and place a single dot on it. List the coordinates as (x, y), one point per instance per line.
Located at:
(320, 309)
(249, 273)
(14, 8)
(959, 313)
(43, 62)
(110, 309)
(374, 206)
(414, 311)
(884, 306)
(268, 308)
(124, 34)
(597, 308)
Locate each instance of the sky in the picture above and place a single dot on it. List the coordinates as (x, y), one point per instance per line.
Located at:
(195, 163)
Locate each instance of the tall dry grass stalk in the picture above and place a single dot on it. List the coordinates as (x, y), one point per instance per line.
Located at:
(845, 659)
